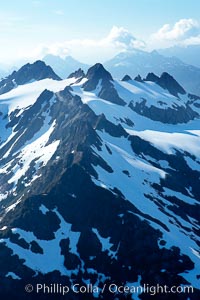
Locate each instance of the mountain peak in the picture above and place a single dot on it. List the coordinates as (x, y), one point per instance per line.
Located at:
(77, 74)
(94, 75)
(98, 76)
(27, 73)
(142, 62)
(138, 78)
(152, 77)
(98, 72)
(126, 78)
(35, 71)
(168, 82)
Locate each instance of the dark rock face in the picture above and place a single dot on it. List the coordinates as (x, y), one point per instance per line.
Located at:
(193, 97)
(167, 82)
(113, 130)
(138, 78)
(90, 208)
(98, 75)
(94, 74)
(109, 93)
(98, 71)
(152, 77)
(181, 114)
(126, 78)
(29, 72)
(28, 117)
(77, 74)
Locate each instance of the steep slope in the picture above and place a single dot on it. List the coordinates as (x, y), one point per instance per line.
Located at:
(166, 81)
(140, 62)
(101, 80)
(149, 98)
(27, 73)
(93, 192)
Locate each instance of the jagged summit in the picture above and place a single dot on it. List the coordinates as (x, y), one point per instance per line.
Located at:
(29, 72)
(126, 78)
(143, 62)
(94, 75)
(152, 77)
(99, 77)
(138, 78)
(98, 72)
(77, 74)
(166, 81)
(36, 71)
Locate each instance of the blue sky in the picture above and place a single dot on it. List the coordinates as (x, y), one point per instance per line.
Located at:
(94, 29)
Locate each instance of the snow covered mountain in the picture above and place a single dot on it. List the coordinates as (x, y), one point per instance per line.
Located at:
(63, 66)
(99, 184)
(140, 62)
(26, 74)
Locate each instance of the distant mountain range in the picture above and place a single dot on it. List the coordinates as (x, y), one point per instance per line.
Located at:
(181, 62)
(141, 62)
(136, 62)
(99, 184)
(189, 54)
(64, 66)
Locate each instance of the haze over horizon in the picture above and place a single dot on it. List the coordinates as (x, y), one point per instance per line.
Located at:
(94, 31)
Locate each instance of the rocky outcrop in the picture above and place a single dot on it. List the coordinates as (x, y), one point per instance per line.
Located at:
(77, 74)
(98, 77)
(180, 114)
(167, 82)
(138, 78)
(29, 72)
(126, 78)
(152, 77)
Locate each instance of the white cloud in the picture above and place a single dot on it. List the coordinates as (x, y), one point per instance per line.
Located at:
(194, 40)
(181, 31)
(121, 38)
(91, 50)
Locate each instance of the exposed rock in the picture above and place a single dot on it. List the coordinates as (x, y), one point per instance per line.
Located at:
(138, 78)
(166, 81)
(29, 72)
(77, 74)
(126, 78)
(99, 77)
(168, 115)
(94, 75)
(152, 77)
